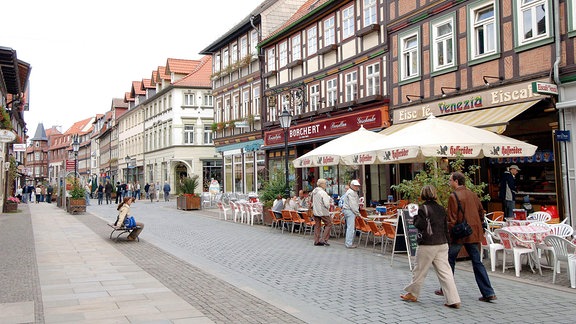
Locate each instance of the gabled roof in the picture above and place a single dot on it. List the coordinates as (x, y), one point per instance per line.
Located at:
(147, 84)
(200, 76)
(119, 103)
(240, 28)
(137, 89)
(307, 8)
(81, 127)
(52, 131)
(153, 78)
(180, 66)
(14, 72)
(128, 97)
(161, 75)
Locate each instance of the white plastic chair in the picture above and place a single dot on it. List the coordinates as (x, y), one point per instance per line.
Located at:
(518, 247)
(562, 248)
(562, 230)
(540, 216)
(222, 210)
(492, 247)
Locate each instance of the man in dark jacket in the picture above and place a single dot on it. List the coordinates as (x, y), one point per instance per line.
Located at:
(464, 204)
(508, 190)
(108, 192)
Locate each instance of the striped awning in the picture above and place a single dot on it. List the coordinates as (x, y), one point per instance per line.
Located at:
(492, 119)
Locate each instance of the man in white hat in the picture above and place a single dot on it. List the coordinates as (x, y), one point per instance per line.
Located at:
(508, 190)
(351, 209)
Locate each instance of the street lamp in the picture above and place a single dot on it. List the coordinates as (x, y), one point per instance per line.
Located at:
(127, 159)
(285, 120)
(75, 148)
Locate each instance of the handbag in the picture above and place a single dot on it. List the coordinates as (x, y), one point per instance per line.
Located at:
(462, 229)
(428, 225)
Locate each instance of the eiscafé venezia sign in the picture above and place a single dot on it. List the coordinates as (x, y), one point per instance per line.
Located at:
(479, 100)
(327, 127)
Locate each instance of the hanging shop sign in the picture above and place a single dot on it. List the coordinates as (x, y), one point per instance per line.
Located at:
(7, 136)
(544, 88)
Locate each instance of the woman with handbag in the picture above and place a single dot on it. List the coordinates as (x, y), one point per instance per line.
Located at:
(432, 250)
(124, 211)
(464, 207)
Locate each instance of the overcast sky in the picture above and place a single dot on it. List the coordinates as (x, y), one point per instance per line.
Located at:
(85, 53)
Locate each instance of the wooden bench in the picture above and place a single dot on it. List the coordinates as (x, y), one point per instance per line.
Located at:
(122, 230)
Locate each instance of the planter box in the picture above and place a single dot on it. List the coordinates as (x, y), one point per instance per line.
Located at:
(188, 202)
(75, 206)
(10, 207)
(266, 216)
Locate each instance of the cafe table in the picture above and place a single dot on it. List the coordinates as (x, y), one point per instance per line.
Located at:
(529, 233)
(521, 222)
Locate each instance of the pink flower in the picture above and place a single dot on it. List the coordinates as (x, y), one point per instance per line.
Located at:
(14, 200)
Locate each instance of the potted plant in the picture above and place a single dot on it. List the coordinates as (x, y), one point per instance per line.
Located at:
(188, 198)
(271, 188)
(77, 199)
(11, 205)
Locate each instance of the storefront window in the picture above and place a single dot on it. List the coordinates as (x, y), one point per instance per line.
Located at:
(238, 173)
(261, 164)
(228, 173)
(249, 167)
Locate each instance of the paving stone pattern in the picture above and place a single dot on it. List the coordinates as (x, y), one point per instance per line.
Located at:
(19, 283)
(320, 284)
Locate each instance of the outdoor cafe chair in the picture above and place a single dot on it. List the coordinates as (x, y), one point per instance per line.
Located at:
(338, 223)
(274, 220)
(308, 222)
(286, 219)
(540, 216)
(562, 249)
(363, 228)
(222, 210)
(518, 248)
(255, 213)
(296, 220)
(489, 244)
(376, 232)
(562, 230)
(390, 233)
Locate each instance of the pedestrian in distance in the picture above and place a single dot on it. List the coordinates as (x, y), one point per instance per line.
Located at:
(108, 192)
(508, 190)
(166, 191)
(157, 189)
(146, 190)
(464, 204)
(431, 222)
(100, 193)
(152, 191)
(321, 211)
(118, 192)
(49, 193)
(351, 210)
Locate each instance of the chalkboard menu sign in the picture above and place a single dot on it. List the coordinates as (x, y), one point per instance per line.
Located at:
(411, 232)
(406, 236)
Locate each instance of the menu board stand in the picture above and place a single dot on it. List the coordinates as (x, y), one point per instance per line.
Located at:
(405, 240)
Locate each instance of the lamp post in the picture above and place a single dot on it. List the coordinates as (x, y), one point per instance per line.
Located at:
(75, 148)
(127, 159)
(285, 120)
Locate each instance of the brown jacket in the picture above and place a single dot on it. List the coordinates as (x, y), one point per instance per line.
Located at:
(473, 212)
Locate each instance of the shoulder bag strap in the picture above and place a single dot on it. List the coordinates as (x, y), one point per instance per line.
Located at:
(459, 207)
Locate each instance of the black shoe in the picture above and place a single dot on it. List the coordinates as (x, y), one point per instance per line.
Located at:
(326, 244)
(488, 299)
(319, 244)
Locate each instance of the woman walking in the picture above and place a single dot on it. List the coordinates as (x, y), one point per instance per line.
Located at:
(431, 222)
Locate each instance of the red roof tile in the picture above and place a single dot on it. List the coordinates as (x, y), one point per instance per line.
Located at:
(137, 89)
(200, 76)
(147, 84)
(180, 66)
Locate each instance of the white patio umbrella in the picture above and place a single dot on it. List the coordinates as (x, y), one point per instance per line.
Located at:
(330, 153)
(434, 137)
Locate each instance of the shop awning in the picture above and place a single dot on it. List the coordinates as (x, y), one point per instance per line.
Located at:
(492, 119)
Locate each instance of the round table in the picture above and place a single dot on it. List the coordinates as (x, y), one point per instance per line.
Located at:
(523, 222)
(529, 233)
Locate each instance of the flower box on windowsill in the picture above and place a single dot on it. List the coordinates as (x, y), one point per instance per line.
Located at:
(367, 30)
(269, 74)
(369, 99)
(327, 49)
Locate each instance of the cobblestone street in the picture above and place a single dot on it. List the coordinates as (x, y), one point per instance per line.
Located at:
(234, 273)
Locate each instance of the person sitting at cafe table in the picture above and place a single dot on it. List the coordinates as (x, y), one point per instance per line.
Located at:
(292, 204)
(277, 206)
(303, 199)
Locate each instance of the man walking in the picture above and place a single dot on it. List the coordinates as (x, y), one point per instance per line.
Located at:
(464, 204)
(321, 210)
(108, 192)
(351, 209)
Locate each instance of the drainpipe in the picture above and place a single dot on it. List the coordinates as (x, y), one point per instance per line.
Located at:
(562, 120)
